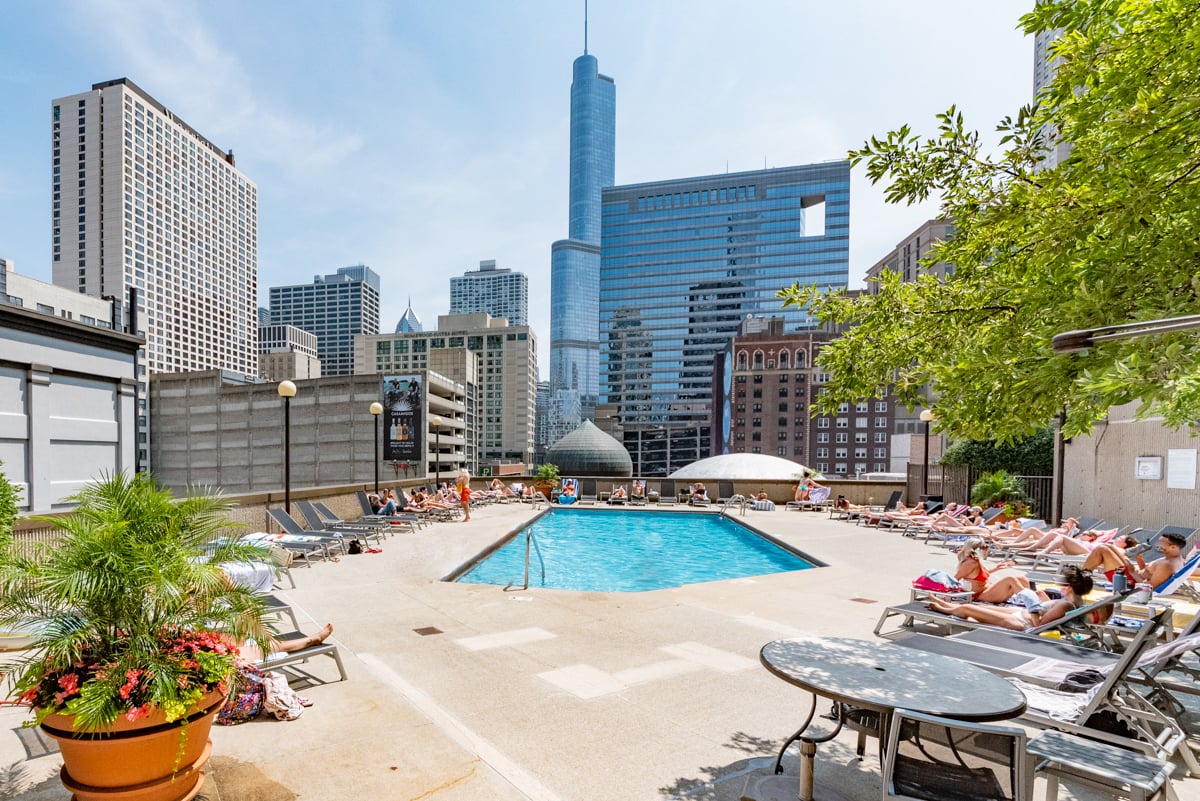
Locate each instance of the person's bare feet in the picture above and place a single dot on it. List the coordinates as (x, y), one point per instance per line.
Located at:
(322, 635)
(938, 605)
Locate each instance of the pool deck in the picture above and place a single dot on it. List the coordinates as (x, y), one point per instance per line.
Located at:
(548, 695)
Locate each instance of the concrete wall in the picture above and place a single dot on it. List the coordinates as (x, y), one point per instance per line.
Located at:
(1100, 478)
(66, 405)
(231, 437)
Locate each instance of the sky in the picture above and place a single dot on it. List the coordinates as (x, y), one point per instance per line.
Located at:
(420, 137)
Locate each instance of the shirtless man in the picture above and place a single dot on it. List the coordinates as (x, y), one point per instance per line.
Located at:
(1110, 559)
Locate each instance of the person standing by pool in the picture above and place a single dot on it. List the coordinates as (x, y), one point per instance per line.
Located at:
(464, 494)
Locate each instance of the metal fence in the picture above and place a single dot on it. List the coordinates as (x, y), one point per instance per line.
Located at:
(954, 481)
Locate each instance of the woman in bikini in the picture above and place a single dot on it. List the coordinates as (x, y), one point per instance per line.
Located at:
(995, 586)
(1076, 585)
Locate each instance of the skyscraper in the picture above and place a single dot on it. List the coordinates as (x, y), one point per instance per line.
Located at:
(140, 199)
(498, 291)
(336, 308)
(575, 262)
(684, 261)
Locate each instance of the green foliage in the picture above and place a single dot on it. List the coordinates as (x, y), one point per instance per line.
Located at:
(8, 508)
(1032, 456)
(547, 472)
(129, 613)
(1111, 235)
(993, 488)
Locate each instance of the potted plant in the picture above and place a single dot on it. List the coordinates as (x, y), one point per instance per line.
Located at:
(546, 479)
(137, 633)
(1001, 488)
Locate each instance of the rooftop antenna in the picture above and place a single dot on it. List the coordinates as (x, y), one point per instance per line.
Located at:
(585, 27)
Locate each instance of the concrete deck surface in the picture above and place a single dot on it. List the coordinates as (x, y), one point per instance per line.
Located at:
(545, 695)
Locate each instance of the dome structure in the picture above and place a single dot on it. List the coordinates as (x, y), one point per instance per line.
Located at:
(588, 451)
(743, 467)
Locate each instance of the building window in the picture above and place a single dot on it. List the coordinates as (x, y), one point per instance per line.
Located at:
(880, 436)
(860, 437)
(783, 406)
(822, 453)
(860, 422)
(841, 436)
(881, 422)
(839, 453)
(822, 422)
(756, 422)
(881, 406)
(842, 422)
(758, 379)
(822, 437)
(861, 407)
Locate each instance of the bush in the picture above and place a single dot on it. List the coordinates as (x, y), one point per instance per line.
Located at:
(1033, 456)
(998, 487)
(8, 508)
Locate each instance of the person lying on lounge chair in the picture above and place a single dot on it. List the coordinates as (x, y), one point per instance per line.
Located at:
(638, 493)
(1082, 544)
(381, 506)
(995, 586)
(699, 493)
(1033, 539)
(1076, 585)
(619, 495)
(252, 652)
(1110, 559)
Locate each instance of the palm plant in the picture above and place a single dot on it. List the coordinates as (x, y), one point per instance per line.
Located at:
(132, 607)
(997, 487)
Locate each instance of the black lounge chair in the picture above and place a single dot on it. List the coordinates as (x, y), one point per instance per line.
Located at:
(725, 492)
(666, 493)
(334, 526)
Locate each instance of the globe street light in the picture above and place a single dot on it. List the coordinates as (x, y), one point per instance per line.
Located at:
(376, 410)
(927, 416)
(436, 421)
(287, 391)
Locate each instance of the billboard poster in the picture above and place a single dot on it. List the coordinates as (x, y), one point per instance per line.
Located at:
(402, 419)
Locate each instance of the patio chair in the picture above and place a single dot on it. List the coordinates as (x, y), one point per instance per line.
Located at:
(316, 524)
(587, 492)
(699, 501)
(637, 495)
(1058, 560)
(725, 492)
(297, 533)
(929, 758)
(616, 498)
(666, 493)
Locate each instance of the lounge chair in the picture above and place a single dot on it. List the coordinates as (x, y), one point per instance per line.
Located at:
(616, 498)
(698, 500)
(666, 493)
(914, 611)
(316, 524)
(637, 495)
(280, 659)
(872, 518)
(569, 492)
(292, 529)
(412, 519)
(725, 492)
(1154, 732)
(587, 492)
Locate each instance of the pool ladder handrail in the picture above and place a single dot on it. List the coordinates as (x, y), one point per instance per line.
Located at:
(740, 500)
(530, 544)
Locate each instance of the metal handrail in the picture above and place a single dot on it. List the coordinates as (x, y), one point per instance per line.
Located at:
(740, 500)
(530, 545)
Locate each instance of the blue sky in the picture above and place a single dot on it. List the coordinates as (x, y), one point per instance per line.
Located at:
(422, 137)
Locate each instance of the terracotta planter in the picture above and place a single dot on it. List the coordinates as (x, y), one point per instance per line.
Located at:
(139, 761)
(547, 488)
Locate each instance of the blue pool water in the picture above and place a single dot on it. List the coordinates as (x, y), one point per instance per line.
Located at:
(613, 551)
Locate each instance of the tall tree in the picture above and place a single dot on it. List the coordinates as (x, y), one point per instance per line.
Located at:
(1111, 235)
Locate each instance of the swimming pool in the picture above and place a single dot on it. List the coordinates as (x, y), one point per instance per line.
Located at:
(600, 550)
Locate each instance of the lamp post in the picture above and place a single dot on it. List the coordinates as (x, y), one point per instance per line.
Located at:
(927, 416)
(287, 391)
(436, 422)
(376, 410)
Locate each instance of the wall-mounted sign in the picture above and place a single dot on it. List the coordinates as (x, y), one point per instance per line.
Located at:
(1148, 468)
(402, 407)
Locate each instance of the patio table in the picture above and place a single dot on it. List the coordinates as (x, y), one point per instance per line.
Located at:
(878, 677)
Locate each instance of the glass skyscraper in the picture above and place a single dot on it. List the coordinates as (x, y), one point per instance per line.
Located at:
(683, 262)
(575, 262)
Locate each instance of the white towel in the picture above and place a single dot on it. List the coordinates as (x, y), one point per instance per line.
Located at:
(1055, 704)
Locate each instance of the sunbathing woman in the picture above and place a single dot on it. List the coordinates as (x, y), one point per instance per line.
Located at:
(1085, 543)
(995, 586)
(1076, 585)
(1034, 539)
